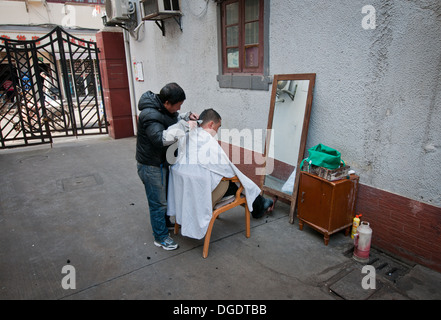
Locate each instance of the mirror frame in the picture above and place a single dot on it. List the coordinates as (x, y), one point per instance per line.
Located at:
(281, 77)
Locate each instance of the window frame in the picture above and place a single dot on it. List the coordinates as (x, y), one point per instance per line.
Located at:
(243, 77)
(242, 69)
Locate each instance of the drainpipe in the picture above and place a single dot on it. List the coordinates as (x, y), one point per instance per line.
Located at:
(131, 85)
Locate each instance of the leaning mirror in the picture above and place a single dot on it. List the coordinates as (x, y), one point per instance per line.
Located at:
(288, 122)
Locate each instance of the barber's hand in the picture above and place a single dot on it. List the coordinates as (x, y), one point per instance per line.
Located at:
(194, 116)
(192, 124)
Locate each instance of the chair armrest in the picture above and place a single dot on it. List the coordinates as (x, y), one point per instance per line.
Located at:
(232, 179)
(235, 179)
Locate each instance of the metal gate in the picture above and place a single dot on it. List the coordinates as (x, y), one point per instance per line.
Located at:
(49, 87)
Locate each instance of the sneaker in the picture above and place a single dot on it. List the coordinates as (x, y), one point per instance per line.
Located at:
(167, 244)
(267, 204)
(260, 206)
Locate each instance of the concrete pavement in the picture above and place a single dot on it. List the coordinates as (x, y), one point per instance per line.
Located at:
(76, 215)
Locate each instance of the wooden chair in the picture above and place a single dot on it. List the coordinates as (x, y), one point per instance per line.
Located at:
(238, 199)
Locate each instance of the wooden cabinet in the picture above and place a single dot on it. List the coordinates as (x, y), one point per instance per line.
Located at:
(326, 206)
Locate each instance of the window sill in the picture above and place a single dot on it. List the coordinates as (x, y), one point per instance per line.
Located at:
(243, 81)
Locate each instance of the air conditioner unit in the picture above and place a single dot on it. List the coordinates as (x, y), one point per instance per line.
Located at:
(160, 9)
(117, 11)
(289, 87)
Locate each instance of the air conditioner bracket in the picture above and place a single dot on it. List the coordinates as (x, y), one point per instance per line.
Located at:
(160, 23)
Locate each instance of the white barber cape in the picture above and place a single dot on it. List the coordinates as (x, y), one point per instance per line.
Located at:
(201, 164)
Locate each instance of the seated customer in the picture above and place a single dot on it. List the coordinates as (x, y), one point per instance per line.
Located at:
(195, 179)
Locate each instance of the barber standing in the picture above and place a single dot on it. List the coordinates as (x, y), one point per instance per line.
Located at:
(158, 112)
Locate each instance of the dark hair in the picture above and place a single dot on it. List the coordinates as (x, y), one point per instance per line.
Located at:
(172, 93)
(209, 115)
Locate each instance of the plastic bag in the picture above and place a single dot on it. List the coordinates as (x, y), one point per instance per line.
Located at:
(324, 156)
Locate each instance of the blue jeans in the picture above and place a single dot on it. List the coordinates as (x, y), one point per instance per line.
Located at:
(155, 183)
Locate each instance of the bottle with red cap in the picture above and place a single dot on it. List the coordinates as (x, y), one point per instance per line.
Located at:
(355, 225)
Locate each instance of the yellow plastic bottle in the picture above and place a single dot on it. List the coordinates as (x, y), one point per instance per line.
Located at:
(355, 225)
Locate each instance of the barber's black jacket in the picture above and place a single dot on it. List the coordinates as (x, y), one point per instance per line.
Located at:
(153, 120)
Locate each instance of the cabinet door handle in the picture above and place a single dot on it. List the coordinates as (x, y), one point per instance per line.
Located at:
(301, 200)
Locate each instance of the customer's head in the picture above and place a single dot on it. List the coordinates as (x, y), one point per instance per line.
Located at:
(211, 121)
(172, 97)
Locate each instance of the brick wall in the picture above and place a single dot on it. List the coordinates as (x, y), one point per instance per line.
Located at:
(401, 226)
(405, 227)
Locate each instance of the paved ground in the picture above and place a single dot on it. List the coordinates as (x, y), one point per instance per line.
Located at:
(81, 204)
